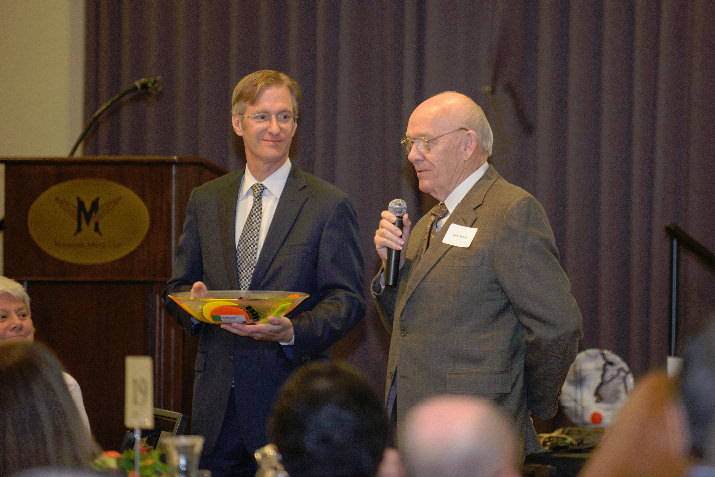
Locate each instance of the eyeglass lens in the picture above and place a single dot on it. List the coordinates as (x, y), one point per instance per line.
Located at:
(421, 145)
(282, 118)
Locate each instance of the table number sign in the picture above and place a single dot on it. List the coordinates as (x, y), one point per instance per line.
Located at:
(139, 393)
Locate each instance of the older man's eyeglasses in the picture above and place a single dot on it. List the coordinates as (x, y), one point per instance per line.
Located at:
(421, 143)
(284, 118)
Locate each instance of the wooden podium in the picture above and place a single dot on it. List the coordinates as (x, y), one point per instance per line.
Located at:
(92, 239)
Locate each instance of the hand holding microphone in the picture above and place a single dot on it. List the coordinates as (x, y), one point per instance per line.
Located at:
(390, 237)
(398, 207)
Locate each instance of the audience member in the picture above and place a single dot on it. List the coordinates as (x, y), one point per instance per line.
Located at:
(458, 435)
(327, 421)
(39, 423)
(16, 325)
(697, 387)
(647, 437)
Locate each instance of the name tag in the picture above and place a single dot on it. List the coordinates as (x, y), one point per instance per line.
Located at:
(459, 235)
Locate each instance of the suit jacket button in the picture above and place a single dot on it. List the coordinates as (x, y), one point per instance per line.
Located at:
(230, 356)
(403, 332)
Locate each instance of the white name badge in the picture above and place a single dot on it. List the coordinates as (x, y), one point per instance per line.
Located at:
(459, 235)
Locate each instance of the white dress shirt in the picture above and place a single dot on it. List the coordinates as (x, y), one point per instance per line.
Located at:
(456, 196)
(271, 195)
(275, 183)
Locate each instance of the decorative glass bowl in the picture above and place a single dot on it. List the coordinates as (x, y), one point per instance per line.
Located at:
(238, 306)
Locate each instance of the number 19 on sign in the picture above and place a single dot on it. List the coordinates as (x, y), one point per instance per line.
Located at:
(139, 393)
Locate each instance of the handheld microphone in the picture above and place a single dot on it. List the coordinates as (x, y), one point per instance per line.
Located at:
(392, 267)
(149, 85)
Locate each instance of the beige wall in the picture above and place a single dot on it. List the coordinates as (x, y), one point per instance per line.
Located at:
(41, 79)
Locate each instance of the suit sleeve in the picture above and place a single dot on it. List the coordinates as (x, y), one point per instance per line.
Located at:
(339, 272)
(384, 299)
(529, 271)
(187, 268)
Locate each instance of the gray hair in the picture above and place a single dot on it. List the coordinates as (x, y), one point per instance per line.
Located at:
(15, 289)
(475, 119)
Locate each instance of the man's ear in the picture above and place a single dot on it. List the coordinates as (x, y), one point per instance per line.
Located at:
(470, 143)
(236, 123)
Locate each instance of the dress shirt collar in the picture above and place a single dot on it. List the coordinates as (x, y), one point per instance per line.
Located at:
(274, 183)
(456, 196)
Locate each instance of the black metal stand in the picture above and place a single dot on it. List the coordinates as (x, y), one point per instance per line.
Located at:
(678, 237)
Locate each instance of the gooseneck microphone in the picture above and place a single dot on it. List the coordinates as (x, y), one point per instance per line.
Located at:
(392, 267)
(148, 85)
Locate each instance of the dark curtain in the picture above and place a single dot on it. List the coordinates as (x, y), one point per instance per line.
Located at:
(602, 109)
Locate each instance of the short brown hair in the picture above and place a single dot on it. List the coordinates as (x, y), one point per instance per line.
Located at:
(247, 90)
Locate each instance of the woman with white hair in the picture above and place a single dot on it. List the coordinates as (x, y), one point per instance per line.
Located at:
(16, 325)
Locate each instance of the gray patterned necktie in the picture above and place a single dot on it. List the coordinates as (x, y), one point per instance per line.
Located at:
(438, 212)
(247, 250)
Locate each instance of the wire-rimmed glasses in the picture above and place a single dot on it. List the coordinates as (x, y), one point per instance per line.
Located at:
(285, 118)
(421, 143)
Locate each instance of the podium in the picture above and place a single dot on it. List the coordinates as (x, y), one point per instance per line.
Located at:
(92, 239)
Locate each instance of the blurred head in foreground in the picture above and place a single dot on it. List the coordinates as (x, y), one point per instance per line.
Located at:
(456, 435)
(647, 437)
(39, 423)
(697, 387)
(327, 421)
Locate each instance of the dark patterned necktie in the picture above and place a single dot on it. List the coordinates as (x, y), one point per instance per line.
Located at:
(438, 212)
(247, 250)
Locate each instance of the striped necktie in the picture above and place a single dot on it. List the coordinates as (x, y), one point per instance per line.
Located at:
(438, 212)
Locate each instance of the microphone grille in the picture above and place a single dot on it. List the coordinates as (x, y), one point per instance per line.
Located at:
(397, 207)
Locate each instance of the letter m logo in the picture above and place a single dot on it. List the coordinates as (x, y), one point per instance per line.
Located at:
(87, 216)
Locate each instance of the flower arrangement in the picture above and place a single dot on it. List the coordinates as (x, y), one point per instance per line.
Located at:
(152, 462)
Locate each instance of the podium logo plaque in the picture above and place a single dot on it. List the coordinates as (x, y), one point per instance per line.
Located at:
(88, 221)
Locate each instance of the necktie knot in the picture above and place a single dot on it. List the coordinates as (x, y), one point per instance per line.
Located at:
(257, 190)
(439, 212)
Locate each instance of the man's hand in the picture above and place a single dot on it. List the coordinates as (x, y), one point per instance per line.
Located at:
(278, 328)
(198, 289)
(388, 235)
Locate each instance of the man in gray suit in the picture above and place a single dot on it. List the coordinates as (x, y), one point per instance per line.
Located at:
(304, 237)
(482, 305)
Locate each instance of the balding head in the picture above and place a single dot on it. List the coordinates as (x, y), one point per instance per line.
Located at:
(447, 139)
(456, 435)
(458, 109)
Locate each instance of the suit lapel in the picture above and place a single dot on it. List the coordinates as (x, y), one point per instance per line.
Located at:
(294, 195)
(227, 202)
(465, 214)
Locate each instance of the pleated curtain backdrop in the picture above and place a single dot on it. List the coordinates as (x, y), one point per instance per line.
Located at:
(602, 109)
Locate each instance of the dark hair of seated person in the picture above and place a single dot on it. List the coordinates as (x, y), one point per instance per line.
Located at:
(327, 421)
(39, 422)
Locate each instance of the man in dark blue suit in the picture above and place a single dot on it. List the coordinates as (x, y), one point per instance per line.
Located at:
(307, 241)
